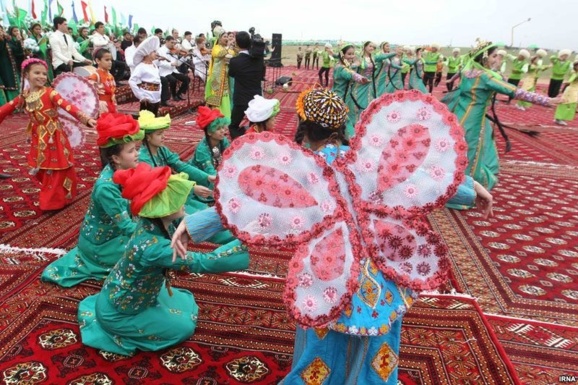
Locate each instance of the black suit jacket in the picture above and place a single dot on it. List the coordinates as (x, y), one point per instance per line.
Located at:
(248, 73)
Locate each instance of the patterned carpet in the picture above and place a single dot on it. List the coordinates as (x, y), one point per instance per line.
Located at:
(520, 266)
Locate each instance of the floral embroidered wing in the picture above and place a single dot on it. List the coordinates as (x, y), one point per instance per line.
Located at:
(407, 158)
(79, 92)
(270, 191)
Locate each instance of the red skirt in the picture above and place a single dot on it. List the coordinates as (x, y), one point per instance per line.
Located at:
(58, 188)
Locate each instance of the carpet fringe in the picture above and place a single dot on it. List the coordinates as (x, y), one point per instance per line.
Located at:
(13, 250)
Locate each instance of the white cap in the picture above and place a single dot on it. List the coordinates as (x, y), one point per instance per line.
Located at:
(563, 52)
(541, 53)
(435, 45)
(261, 109)
(456, 50)
(502, 52)
(328, 45)
(146, 47)
(525, 53)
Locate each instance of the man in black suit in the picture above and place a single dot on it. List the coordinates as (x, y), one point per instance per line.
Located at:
(248, 70)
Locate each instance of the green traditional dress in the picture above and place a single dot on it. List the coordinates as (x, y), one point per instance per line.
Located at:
(135, 310)
(363, 94)
(344, 78)
(165, 157)
(395, 81)
(470, 106)
(203, 160)
(567, 109)
(416, 75)
(383, 76)
(104, 233)
(9, 71)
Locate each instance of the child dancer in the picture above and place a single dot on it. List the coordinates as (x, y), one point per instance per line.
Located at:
(137, 307)
(567, 110)
(50, 157)
(261, 114)
(104, 81)
(107, 225)
(155, 153)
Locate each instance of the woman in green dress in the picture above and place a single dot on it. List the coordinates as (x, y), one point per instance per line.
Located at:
(107, 225)
(37, 44)
(137, 309)
(470, 104)
(416, 75)
(344, 77)
(566, 111)
(9, 68)
(218, 88)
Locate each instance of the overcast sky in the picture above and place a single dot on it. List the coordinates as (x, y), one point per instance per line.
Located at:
(457, 22)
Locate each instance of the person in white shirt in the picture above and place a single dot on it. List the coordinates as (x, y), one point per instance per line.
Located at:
(100, 40)
(129, 53)
(145, 81)
(201, 58)
(188, 44)
(168, 64)
(65, 56)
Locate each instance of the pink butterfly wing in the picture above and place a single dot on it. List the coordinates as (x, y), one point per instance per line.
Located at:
(408, 152)
(271, 191)
(322, 276)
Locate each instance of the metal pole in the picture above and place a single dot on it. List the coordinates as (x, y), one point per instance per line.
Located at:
(525, 21)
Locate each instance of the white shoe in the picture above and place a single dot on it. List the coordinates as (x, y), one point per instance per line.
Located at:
(520, 107)
(560, 122)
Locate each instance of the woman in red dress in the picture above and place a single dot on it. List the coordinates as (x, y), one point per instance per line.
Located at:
(50, 156)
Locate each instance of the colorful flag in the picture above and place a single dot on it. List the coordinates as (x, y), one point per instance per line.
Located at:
(20, 17)
(49, 11)
(92, 15)
(33, 10)
(129, 21)
(84, 12)
(135, 28)
(105, 15)
(44, 13)
(122, 20)
(74, 17)
(60, 8)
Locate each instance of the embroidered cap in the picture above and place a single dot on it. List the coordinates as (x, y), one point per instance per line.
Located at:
(153, 192)
(261, 109)
(115, 128)
(323, 107)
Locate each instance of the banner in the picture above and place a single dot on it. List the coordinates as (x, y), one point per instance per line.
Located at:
(84, 12)
(74, 17)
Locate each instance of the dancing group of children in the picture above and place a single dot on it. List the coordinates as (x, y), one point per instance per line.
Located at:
(142, 194)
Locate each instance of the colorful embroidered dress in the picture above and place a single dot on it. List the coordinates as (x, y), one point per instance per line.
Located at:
(104, 234)
(9, 72)
(134, 309)
(394, 79)
(375, 315)
(50, 154)
(105, 81)
(530, 80)
(218, 89)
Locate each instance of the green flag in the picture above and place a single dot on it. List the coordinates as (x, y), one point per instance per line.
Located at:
(135, 28)
(60, 8)
(20, 17)
(113, 16)
(74, 26)
(44, 13)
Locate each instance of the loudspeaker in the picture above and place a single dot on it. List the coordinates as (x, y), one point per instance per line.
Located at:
(276, 46)
(282, 80)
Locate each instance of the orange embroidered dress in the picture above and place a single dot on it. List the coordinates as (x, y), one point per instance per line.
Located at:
(105, 81)
(50, 155)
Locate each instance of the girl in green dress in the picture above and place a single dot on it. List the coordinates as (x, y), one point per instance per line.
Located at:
(416, 75)
(137, 307)
(155, 153)
(9, 69)
(107, 225)
(566, 111)
(470, 104)
(218, 87)
(344, 77)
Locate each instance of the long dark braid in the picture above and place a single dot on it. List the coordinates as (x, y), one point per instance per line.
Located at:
(107, 153)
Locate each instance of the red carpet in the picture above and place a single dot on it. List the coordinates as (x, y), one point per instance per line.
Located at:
(243, 336)
(522, 263)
